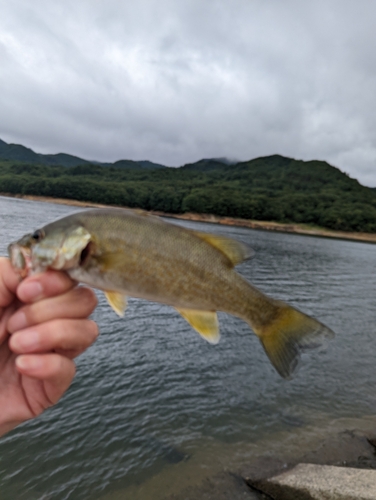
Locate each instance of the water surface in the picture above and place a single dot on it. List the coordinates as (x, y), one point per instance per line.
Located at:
(153, 407)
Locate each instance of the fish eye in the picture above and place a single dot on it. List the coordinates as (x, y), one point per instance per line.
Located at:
(38, 235)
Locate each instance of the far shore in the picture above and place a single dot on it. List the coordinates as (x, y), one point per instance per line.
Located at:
(228, 221)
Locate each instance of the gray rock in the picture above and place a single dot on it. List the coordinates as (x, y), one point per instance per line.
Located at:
(222, 486)
(321, 482)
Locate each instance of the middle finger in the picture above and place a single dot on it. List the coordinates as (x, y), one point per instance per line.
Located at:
(68, 335)
(79, 302)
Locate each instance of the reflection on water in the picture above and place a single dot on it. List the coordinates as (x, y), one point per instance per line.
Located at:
(153, 405)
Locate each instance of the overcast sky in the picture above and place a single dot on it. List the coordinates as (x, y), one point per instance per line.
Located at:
(176, 81)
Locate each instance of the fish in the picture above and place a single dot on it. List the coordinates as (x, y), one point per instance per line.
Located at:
(131, 253)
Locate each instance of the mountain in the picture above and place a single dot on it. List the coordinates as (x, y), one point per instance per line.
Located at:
(150, 164)
(225, 161)
(270, 188)
(205, 165)
(17, 152)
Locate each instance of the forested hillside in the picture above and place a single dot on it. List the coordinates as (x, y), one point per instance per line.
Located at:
(272, 188)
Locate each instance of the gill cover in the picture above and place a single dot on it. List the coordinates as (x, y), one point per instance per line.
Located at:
(60, 250)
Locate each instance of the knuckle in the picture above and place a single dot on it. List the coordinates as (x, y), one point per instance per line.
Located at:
(72, 334)
(62, 364)
(88, 298)
(65, 369)
(88, 333)
(32, 314)
(56, 336)
(94, 330)
(54, 283)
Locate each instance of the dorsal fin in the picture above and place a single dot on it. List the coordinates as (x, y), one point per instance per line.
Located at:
(235, 251)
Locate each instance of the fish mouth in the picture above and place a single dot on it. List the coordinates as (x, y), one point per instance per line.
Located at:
(86, 253)
(20, 258)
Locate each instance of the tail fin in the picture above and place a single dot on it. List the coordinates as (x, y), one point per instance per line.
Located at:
(289, 333)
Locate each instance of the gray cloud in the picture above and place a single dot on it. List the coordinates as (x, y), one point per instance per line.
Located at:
(174, 82)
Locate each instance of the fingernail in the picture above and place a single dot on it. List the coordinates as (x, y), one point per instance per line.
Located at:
(31, 290)
(29, 362)
(17, 322)
(25, 341)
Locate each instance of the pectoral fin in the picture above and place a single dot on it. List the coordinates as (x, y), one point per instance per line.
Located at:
(117, 301)
(204, 322)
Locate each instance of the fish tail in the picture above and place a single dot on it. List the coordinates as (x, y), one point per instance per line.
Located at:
(287, 334)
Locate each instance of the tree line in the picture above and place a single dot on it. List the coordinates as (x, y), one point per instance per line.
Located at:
(273, 188)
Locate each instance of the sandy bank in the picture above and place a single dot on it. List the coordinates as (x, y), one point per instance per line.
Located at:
(228, 221)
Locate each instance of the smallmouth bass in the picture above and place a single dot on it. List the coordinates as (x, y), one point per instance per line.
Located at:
(131, 253)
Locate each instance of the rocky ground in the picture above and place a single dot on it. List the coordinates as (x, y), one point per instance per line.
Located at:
(347, 448)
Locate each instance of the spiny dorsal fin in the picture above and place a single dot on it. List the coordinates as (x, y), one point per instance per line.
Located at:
(234, 250)
(204, 322)
(117, 301)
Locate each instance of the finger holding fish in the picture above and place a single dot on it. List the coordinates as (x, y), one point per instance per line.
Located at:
(69, 337)
(43, 285)
(53, 370)
(75, 303)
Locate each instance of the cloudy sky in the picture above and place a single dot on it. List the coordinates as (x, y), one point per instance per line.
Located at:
(176, 81)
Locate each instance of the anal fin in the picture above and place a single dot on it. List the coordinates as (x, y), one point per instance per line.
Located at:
(204, 322)
(117, 301)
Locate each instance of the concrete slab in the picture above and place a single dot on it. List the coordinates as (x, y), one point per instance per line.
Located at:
(321, 482)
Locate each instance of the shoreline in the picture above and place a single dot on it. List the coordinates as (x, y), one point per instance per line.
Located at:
(293, 228)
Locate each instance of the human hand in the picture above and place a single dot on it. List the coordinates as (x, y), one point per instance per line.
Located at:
(44, 325)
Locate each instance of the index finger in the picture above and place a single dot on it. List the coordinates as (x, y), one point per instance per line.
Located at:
(44, 285)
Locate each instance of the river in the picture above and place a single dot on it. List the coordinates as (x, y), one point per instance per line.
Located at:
(154, 408)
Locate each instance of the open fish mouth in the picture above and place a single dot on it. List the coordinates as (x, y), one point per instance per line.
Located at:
(60, 251)
(20, 258)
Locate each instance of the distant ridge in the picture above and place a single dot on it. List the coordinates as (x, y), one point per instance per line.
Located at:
(17, 152)
(225, 161)
(205, 165)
